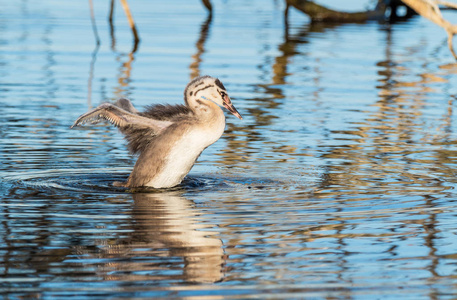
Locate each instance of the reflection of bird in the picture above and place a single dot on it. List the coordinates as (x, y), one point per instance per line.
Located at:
(168, 138)
(169, 224)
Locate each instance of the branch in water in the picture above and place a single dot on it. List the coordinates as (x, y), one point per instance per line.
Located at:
(319, 13)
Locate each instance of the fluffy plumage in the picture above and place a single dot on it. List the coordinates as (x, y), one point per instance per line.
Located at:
(168, 138)
(139, 138)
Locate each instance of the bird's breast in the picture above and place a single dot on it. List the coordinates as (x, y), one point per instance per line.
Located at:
(183, 154)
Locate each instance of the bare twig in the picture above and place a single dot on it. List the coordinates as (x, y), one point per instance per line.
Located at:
(126, 8)
(207, 4)
(200, 45)
(111, 12)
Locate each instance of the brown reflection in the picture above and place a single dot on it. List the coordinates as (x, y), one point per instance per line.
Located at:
(126, 59)
(165, 227)
(169, 220)
(123, 77)
(384, 154)
(124, 73)
(243, 139)
(200, 45)
(165, 239)
(385, 144)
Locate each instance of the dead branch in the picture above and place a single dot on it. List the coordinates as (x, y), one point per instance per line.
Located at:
(126, 8)
(429, 9)
(207, 4)
(319, 13)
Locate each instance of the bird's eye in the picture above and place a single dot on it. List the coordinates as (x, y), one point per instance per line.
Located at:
(223, 94)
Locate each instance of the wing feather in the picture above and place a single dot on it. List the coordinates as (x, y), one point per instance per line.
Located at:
(121, 119)
(140, 129)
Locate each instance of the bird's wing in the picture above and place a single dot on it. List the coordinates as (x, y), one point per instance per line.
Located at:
(122, 119)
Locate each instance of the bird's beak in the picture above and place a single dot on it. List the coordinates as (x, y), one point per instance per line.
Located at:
(228, 104)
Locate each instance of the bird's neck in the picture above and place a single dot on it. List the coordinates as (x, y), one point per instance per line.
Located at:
(206, 110)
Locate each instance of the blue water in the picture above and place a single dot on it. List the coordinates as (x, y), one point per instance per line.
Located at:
(338, 183)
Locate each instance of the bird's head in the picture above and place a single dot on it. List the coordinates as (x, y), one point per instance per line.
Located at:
(207, 88)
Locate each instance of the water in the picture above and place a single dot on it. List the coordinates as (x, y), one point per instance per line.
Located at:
(338, 183)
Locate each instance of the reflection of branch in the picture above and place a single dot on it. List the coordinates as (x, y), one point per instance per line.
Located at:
(200, 45)
(91, 76)
(94, 25)
(111, 26)
(429, 9)
(124, 75)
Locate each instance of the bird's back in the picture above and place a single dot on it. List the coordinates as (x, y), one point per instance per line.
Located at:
(167, 112)
(140, 138)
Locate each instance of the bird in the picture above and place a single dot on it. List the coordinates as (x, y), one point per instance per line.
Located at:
(168, 139)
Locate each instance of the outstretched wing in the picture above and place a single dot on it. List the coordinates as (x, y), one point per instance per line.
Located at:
(140, 131)
(120, 118)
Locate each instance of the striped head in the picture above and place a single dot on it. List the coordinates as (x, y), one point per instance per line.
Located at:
(207, 88)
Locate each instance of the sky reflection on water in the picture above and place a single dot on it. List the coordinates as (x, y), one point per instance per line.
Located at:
(339, 182)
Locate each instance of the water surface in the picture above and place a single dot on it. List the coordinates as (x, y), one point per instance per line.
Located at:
(338, 183)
